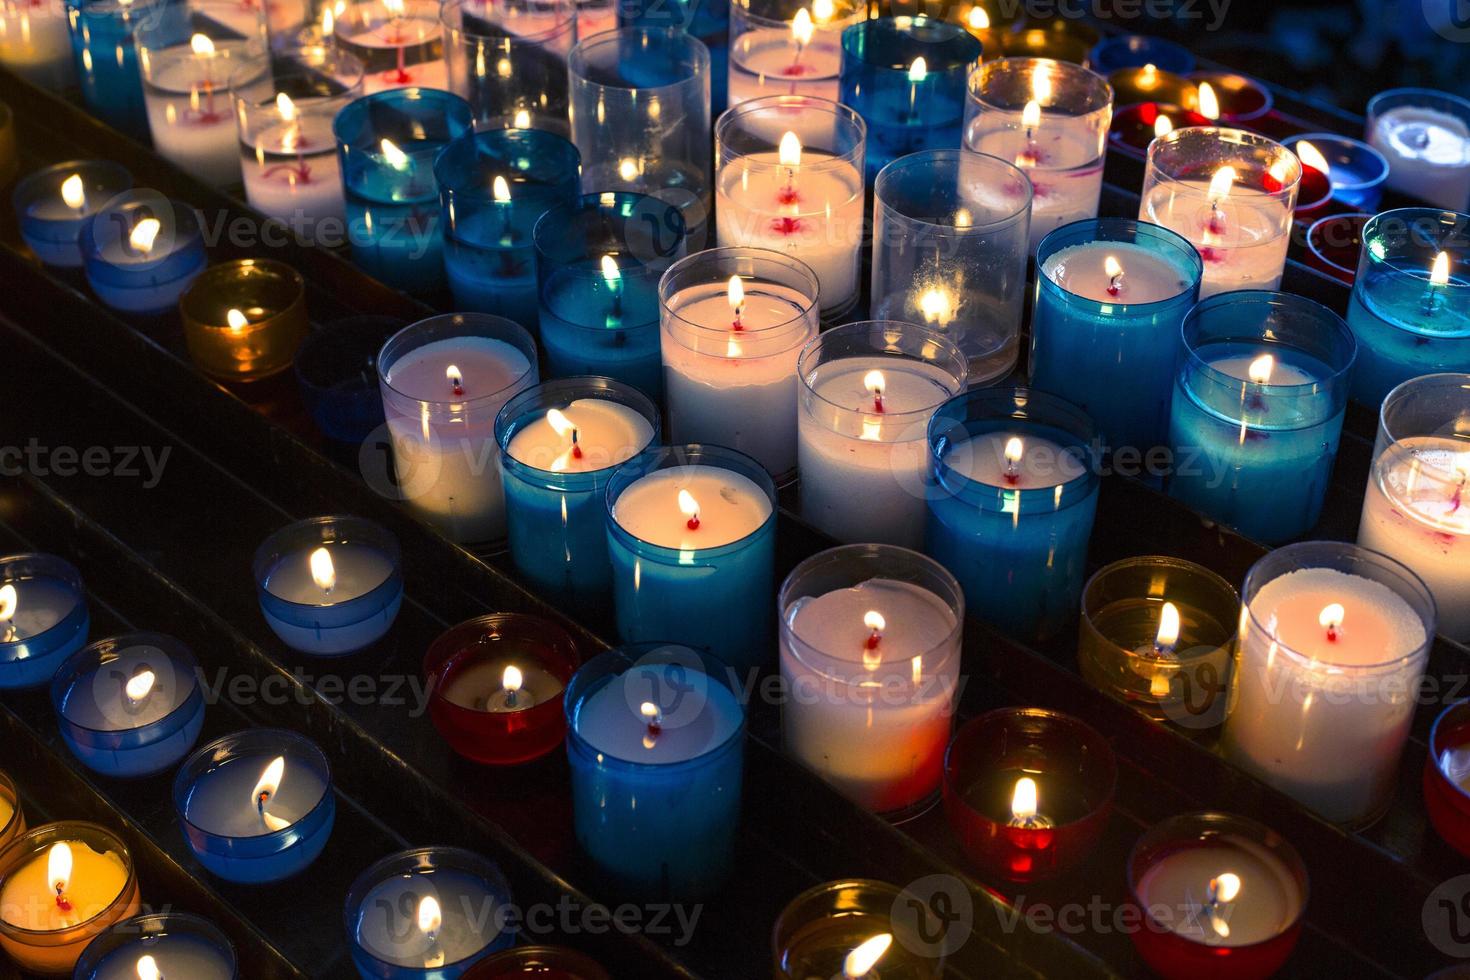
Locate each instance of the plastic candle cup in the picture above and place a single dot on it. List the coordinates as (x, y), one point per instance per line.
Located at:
(43, 618)
(1425, 136)
(509, 61)
(399, 42)
(1446, 775)
(1335, 245)
(788, 47)
(429, 913)
(548, 962)
(179, 944)
(1111, 294)
(867, 393)
(870, 656)
(141, 251)
(493, 186)
(851, 927)
(1232, 194)
(1150, 84)
(443, 380)
(790, 179)
(1259, 398)
(61, 885)
(12, 819)
(734, 321)
(244, 319)
(337, 371)
(1138, 50)
(559, 445)
(105, 36)
(655, 737)
(1355, 170)
(1240, 100)
(54, 205)
(1221, 898)
(187, 99)
(129, 705)
(35, 42)
(1410, 308)
(1135, 126)
(256, 806)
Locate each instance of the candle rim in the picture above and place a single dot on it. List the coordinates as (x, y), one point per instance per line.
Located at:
(954, 161)
(309, 63)
(11, 794)
(451, 326)
(254, 744)
(656, 459)
(782, 104)
(1098, 91)
(1337, 365)
(1110, 231)
(1410, 216)
(101, 179)
(147, 925)
(300, 538)
(568, 12)
(554, 650)
(531, 404)
(1248, 172)
(1232, 83)
(31, 565)
(693, 50)
(1180, 571)
(940, 349)
(80, 666)
(1319, 140)
(82, 832)
(942, 62)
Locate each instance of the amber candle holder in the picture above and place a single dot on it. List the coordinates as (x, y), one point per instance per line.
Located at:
(1132, 86)
(15, 824)
(9, 160)
(822, 926)
(244, 320)
(1174, 667)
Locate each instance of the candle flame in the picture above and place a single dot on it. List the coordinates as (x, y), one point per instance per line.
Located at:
(874, 621)
(73, 195)
(393, 155)
(823, 10)
(1220, 184)
(1312, 157)
(500, 190)
(1023, 800)
(265, 790)
(1439, 275)
(8, 601)
(1150, 76)
(323, 572)
(144, 234)
(937, 306)
(801, 27)
(58, 866)
(201, 45)
(1225, 888)
(329, 23)
(1013, 450)
(1280, 169)
(559, 423)
(285, 107)
(918, 70)
(873, 382)
(430, 918)
(628, 168)
(1168, 634)
(1261, 369)
(1332, 616)
(522, 119)
(688, 506)
(610, 271)
(139, 685)
(1112, 268)
(789, 152)
(860, 962)
(1209, 103)
(979, 20)
(394, 7)
(1163, 126)
(736, 293)
(147, 969)
(1031, 115)
(236, 320)
(512, 679)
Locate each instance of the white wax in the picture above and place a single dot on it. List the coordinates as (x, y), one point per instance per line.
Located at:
(1080, 270)
(358, 569)
(731, 507)
(481, 686)
(612, 723)
(608, 434)
(396, 35)
(222, 801)
(1250, 253)
(1061, 157)
(1268, 902)
(1283, 373)
(35, 42)
(292, 169)
(1428, 154)
(40, 603)
(485, 366)
(1043, 463)
(768, 61)
(190, 115)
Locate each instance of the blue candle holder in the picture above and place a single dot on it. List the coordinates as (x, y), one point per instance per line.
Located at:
(686, 595)
(329, 585)
(141, 252)
(387, 143)
(655, 736)
(105, 36)
(557, 519)
(1254, 440)
(1136, 50)
(1407, 324)
(45, 618)
(129, 705)
(51, 221)
(908, 107)
(216, 794)
(337, 371)
(182, 945)
(1357, 171)
(493, 187)
(599, 269)
(1113, 356)
(1018, 547)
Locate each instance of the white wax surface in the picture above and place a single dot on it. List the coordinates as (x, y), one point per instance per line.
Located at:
(709, 306)
(607, 433)
(222, 802)
(359, 569)
(175, 954)
(98, 701)
(612, 723)
(1042, 463)
(908, 385)
(387, 925)
(40, 603)
(731, 507)
(1250, 252)
(1282, 373)
(481, 686)
(1379, 625)
(916, 622)
(35, 40)
(1268, 902)
(293, 167)
(1428, 154)
(1079, 269)
(486, 366)
(766, 62)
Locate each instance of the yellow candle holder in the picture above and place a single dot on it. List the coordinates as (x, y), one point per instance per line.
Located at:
(12, 819)
(244, 320)
(102, 890)
(9, 159)
(1132, 86)
(1124, 651)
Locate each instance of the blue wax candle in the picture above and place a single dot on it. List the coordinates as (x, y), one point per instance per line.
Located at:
(387, 143)
(337, 371)
(141, 252)
(692, 535)
(43, 618)
(329, 585)
(54, 205)
(1410, 308)
(655, 736)
(1136, 50)
(906, 77)
(1110, 296)
(1356, 171)
(105, 38)
(493, 187)
(554, 494)
(129, 705)
(1012, 507)
(180, 944)
(256, 806)
(1259, 398)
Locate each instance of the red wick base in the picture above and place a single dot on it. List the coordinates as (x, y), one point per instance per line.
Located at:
(692, 524)
(1332, 634)
(878, 404)
(302, 172)
(874, 640)
(398, 76)
(576, 452)
(61, 902)
(786, 226)
(1114, 290)
(458, 390)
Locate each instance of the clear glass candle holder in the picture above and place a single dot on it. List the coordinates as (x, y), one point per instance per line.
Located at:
(951, 236)
(707, 20)
(790, 179)
(1138, 50)
(1445, 768)
(35, 42)
(1241, 100)
(1232, 194)
(1335, 245)
(177, 941)
(534, 961)
(141, 251)
(1417, 504)
(1355, 171)
(244, 319)
(640, 115)
(509, 61)
(1425, 136)
(1060, 150)
(730, 350)
(1410, 307)
(399, 42)
(820, 928)
(337, 372)
(52, 208)
(48, 619)
(775, 49)
(105, 36)
(12, 818)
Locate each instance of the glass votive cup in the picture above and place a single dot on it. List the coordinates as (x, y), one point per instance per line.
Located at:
(950, 241)
(244, 319)
(599, 265)
(129, 705)
(906, 77)
(525, 45)
(707, 20)
(493, 187)
(399, 42)
(554, 493)
(655, 738)
(1335, 244)
(288, 827)
(1242, 230)
(1137, 50)
(141, 251)
(102, 889)
(1149, 83)
(776, 50)
(1108, 344)
(806, 199)
(329, 585)
(35, 42)
(730, 351)
(1355, 170)
(12, 817)
(820, 928)
(640, 115)
(180, 944)
(1446, 774)
(52, 207)
(1410, 307)
(1296, 654)
(496, 684)
(1241, 100)
(106, 35)
(46, 618)
(1060, 152)
(1176, 879)
(1413, 508)
(1135, 126)
(337, 372)
(1173, 666)
(1425, 136)
(387, 904)
(546, 962)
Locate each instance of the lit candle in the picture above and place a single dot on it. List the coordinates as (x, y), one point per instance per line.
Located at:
(244, 319)
(185, 93)
(400, 43)
(802, 57)
(861, 962)
(43, 618)
(55, 204)
(1425, 137)
(141, 251)
(35, 42)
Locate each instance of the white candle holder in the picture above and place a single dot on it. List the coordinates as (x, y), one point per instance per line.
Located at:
(788, 47)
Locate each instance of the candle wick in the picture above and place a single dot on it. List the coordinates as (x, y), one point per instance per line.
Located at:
(260, 801)
(1115, 285)
(61, 900)
(1217, 219)
(1458, 497)
(1030, 821)
(510, 698)
(739, 313)
(576, 448)
(1013, 473)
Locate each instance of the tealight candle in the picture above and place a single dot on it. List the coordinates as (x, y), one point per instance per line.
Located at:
(538, 961)
(337, 372)
(1148, 83)
(509, 61)
(399, 42)
(788, 47)
(1446, 778)
(43, 618)
(734, 322)
(12, 819)
(54, 204)
(496, 685)
(1355, 170)
(244, 319)
(186, 97)
(256, 806)
(159, 946)
(1138, 51)
(852, 929)
(105, 36)
(1232, 98)
(35, 42)
(1425, 136)
(141, 251)
(1333, 640)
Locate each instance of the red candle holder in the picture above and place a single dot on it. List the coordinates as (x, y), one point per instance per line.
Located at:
(1241, 99)
(1221, 897)
(1445, 796)
(1073, 775)
(1334, 244)
(542, 962)
(1135, 126)
(1313, 195)
(486, 713)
